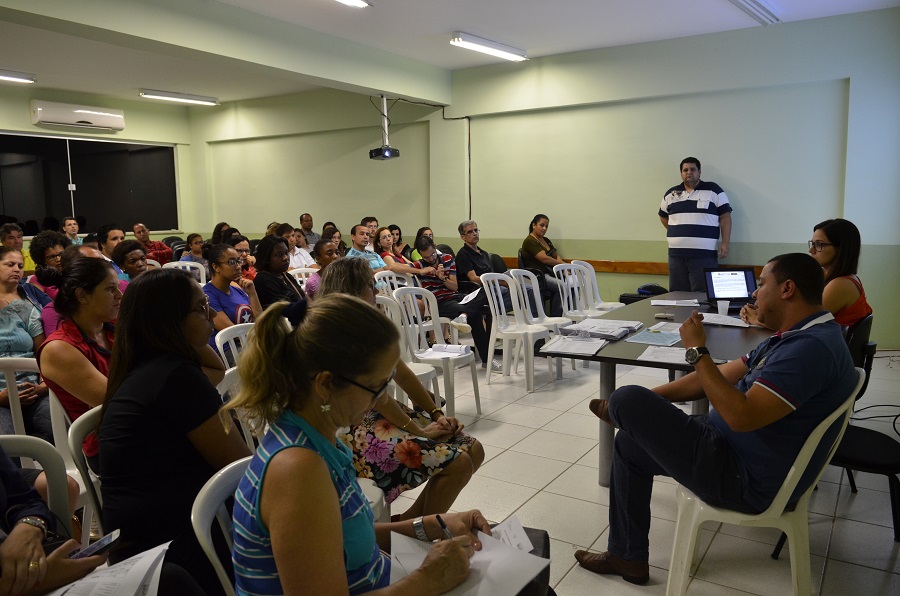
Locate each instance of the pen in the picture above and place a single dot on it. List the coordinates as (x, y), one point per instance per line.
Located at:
(444, 527)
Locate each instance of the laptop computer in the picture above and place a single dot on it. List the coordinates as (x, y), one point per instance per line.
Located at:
(735, 284)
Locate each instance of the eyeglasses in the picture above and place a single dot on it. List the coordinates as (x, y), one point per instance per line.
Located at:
(375, 393)
(203, 309)
(242, 251)
(818, 245)
(55, 257)
(231, 262)
(473, 231)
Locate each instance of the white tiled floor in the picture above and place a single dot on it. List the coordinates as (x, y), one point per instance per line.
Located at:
(542, 466)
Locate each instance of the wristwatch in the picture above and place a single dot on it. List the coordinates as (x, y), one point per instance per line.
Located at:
(693, 355)
(37, 522)
(419, 528)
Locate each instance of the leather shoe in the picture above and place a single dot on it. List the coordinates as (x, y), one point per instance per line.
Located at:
(600, 408)
(635, 572)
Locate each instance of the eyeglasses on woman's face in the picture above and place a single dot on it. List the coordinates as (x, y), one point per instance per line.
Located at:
(818, 245)
(203, 307)
(376, 393)
(231, 262)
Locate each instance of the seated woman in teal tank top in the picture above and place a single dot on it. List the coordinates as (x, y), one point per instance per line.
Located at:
(302, 524)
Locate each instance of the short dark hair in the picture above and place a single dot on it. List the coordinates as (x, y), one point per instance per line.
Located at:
(44, 240)
(354, 228)
(69, 218)
(7, 229)
(283, 229)
(367, 220)
(123, 248)
(82, 273)
(104, 230)
(424, 243)
(320, 245)
(804, 271)
(692, 160)
(213, 254)
(236, 239)
(229, 233)
(844, 235)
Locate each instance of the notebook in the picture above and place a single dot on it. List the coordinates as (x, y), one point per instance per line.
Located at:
(735, 284)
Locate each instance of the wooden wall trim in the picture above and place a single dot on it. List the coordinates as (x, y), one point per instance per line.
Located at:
(641, 267)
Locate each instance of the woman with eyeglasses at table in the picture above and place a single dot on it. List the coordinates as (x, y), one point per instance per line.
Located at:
(160, 434)
(835, 245)
(306, 527)
(232, 297)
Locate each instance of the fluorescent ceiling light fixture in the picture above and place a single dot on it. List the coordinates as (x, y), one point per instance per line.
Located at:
(16, 77)
(355, 3)
(179, 97)
(486, 46)
(759, 10)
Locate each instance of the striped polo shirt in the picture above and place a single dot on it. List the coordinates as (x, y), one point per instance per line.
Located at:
(694, 218)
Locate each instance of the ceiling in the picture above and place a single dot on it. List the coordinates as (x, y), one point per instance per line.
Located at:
(416, 29)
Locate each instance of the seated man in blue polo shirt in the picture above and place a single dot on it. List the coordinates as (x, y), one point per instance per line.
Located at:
(765, 406)
(359, 238)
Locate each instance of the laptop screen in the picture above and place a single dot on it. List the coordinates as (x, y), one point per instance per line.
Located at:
(735, 284)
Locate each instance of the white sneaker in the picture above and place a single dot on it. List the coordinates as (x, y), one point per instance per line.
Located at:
(496, 365)
(460, 324)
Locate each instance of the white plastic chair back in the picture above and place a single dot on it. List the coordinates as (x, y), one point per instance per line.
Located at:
(228, 388)
(209, 505)
(302, 273)
(90, 482)
(423, 372)
(235, 337)
(493, 290)
(388, 281)
(153, 264)
(33, 448)
(573, 291)
(692, 511)
(9, 367)
(593, 291)
(190, 267)
(416, 323)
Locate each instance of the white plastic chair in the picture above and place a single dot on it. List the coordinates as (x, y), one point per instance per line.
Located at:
(190, 267)
(417, 329)
(574, 292)
(80, 429)
(235, 337)
(9, 367)
(594, 290)
(301, 273)
(424, 372)
(388, 281)
(60, 421)
(153, 264)
(230, 385)
(692, 511)
(511, 330)
(33, 448)
(209, 505)
(528, 280)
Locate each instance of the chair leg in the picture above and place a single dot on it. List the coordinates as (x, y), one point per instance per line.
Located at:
(490, 355)
(436, 389)
(851, 481)
(778, 546)
(449, 380)
(473, 368)
(687, 530)
(799, 549)
(529, 365)
(895, 504)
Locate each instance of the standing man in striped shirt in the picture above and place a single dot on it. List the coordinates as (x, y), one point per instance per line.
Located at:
(693, 213)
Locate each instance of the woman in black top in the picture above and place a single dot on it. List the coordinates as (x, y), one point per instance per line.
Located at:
(161, 437)
(273, 282)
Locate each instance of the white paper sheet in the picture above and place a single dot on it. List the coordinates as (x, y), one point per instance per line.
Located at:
(717, 319)
(512, 533)
(576, 346)
(470, 296)
(137, 576)
(495, 570)
(692, 302)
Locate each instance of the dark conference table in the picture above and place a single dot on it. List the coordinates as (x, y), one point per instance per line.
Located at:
(724, 343)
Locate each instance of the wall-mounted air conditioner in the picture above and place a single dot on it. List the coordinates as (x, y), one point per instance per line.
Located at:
(48, 113)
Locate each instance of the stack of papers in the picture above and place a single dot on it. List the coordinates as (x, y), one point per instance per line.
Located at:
(716, 319)
(692, 302)
(607, 328)
(574, 345)
(498, 569)
(445, 351)
(137, 576)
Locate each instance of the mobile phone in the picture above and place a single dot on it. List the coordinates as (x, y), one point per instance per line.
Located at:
(99, 547)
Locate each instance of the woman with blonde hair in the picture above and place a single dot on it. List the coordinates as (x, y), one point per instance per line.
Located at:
(305, 524)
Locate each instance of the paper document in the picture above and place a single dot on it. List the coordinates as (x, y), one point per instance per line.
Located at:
(445, 351)
(511, 533)
(137, 576)
(655, 337)
(574, 345)
(691, 302)
(608, 328)
(670, 355)
(470, 296)
(716, 319)
(495, 570)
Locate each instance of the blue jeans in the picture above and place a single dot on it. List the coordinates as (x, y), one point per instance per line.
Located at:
(656, 438)
(686, 273)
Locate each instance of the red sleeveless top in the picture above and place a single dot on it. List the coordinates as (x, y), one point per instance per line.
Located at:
(856, 312)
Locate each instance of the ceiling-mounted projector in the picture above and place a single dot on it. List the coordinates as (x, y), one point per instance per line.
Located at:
(384, 152)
